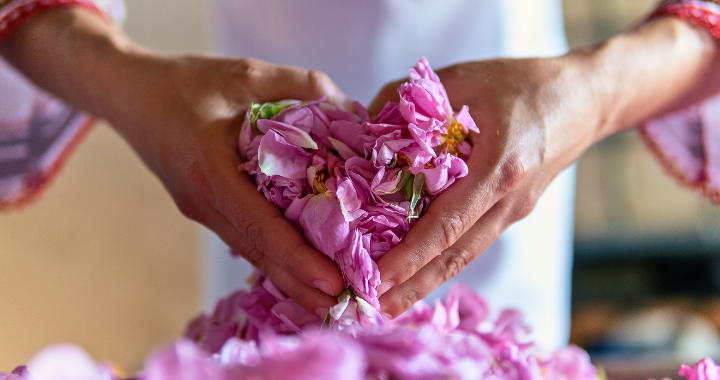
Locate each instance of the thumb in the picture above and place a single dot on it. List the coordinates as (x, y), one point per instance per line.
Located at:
(389, 93)
(279, 82)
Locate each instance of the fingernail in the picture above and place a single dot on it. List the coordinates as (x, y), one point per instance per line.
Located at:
(324, 286)
(384, 287)
(322, 312)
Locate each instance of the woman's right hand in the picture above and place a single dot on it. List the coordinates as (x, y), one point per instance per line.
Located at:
(182, 114)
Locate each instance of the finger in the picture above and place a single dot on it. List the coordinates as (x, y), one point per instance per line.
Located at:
(276, 82)
(449, 216)
(260, 222)
(447, 265)
(389, 93)
(309, 298)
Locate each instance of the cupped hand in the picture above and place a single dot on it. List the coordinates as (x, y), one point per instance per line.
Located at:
(535, 117)
(184, 122)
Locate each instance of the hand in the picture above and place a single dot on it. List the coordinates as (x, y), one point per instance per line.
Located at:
(536, 116)
(182, 115)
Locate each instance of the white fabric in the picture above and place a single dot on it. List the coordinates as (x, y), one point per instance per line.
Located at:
(362, 45)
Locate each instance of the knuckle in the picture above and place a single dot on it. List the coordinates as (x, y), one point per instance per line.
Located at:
(452, 227)
(249, 69)
(317, 81)
(523, 208)
(254, 231)
(187, 209)
(454, 262)
(408, 299)
(512, 172)
(254, 257)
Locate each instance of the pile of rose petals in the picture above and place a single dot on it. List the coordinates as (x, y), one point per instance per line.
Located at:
(354, 186)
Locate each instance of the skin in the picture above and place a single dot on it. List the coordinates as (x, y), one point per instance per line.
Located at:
(536, 116)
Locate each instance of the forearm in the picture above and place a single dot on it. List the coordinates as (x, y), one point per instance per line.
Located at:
(82, 58)
(663, 66)
(70, 52)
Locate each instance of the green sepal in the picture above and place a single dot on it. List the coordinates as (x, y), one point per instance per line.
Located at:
(408, 187)
(404, 177)
(267, 110)
(418, 185)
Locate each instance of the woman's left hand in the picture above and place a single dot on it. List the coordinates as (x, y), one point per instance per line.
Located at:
(536, 116)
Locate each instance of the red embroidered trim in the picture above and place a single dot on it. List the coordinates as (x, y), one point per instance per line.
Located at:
(37, 182)
(695, 13)
(21, 13)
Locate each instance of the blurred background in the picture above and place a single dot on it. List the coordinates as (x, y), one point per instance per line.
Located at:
(106, 261)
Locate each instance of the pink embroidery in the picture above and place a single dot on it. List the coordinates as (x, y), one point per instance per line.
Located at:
(20, 11)
(697, 12)
(687, 143)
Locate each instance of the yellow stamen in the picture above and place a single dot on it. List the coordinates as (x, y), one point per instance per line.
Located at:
(319, 182)
(453, 138)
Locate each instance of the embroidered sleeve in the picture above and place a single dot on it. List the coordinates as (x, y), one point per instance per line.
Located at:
(687, 143)
(37, 131)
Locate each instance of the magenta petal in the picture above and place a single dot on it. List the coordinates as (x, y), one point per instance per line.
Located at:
(350, 133)
(277, 157)
(362, 112)
(350, 203)
(294, 316)
(574, 363)
(10, 376)
(467, 121)
(316, 356)
(705, 369)
(293, 135)
(345, 151)
(324, 225)
(359, 269)
(242, 352)
(447, 169)
(390, 114)
(301, 118)
(183, 360)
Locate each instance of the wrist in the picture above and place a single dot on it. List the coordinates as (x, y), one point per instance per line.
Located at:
(663, 66)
